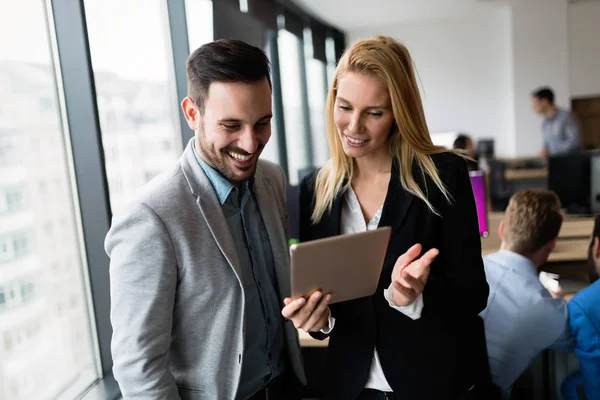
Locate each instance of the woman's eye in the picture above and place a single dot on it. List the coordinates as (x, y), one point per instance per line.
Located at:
(375, 115)
(345, 108)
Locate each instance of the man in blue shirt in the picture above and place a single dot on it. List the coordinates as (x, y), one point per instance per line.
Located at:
(584, 321)
(559, 129)
(522, 317)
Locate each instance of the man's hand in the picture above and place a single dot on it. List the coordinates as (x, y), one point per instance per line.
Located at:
(410, 275)
(544, 153)
(559, 293)
(311, 315)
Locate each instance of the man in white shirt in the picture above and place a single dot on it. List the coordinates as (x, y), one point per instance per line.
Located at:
(523, 317)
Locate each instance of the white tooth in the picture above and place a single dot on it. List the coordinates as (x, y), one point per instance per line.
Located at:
(240, 157)
(355, 141)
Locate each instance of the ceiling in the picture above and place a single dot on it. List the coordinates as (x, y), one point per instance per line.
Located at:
(369, 13)
(350, 15)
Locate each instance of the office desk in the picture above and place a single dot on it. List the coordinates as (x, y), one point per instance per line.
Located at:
(512, 174)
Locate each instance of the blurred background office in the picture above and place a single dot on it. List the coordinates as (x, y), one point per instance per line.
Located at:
(89, 113)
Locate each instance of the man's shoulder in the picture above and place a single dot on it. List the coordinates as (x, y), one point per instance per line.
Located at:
(270, 170)
(164, 190)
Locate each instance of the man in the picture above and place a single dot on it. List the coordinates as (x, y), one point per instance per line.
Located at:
(522, 317)
(464, 142)
(584, 316)
(199, 263)
(559, 129)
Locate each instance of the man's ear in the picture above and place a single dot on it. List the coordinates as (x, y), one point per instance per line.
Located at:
(190, 111)
(501, 230)
(596, 250)
(551, 245)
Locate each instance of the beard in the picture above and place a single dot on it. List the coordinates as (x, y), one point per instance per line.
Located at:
(221, 161)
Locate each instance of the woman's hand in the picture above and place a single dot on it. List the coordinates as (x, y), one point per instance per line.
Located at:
(410, 275)
(311, 315)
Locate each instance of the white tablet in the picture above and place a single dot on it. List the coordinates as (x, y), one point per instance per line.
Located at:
(348, 266)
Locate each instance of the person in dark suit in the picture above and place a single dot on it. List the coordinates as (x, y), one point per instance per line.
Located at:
(419, 336)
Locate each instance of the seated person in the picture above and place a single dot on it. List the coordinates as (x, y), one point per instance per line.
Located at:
(522, 318)
(584, 316)
(464, 142)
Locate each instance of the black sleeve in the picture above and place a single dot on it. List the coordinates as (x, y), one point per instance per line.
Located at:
(460, 288)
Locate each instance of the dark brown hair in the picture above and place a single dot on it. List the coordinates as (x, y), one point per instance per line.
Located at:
(224, 60)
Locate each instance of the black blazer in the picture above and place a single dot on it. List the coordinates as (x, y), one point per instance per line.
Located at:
(433, 357)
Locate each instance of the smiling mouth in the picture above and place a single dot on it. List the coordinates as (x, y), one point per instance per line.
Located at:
(240, 157)
(355, 141)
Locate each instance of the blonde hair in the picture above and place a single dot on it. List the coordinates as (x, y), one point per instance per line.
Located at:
(390, 62)
(532, 219)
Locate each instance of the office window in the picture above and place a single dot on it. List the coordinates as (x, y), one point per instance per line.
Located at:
(316, 74)
(135, 86)
(37, 360)
(199, 16)
(331, 62)
(289, 63)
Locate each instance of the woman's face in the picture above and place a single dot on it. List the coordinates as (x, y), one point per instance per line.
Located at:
(363, 114)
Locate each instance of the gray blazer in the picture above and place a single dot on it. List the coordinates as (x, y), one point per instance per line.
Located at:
(177, 302)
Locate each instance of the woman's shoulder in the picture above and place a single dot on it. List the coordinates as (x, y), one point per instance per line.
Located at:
(448, 160)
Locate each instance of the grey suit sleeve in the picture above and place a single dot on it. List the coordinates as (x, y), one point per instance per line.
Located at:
(143, 278)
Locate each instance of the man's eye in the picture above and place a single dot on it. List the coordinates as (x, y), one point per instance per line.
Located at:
(230, 127)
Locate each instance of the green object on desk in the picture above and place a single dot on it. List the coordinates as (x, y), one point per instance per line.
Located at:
(293, 241)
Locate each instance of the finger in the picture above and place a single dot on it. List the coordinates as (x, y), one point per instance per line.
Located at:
(409, 256)
(287, 301)
(429, 256)
(317, 314)
(311, 305)
(292, 308)
(413, 283)
(417, 270)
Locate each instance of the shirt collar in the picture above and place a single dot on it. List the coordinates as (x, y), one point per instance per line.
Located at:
(518, 263)
(220, 184)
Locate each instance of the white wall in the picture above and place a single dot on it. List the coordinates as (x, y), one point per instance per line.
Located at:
(584, 48)
(540, 58)
(463, 67)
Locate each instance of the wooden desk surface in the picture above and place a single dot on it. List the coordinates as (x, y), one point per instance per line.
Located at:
(512, 174)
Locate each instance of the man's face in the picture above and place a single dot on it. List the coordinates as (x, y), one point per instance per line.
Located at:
(235, 127)
(540, 106)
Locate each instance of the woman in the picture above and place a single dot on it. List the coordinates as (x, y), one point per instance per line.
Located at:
(413, 336)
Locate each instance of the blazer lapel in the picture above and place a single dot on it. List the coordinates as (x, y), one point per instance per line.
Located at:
(397, 202)
(210, 208)
(268, 207)
(215, 220)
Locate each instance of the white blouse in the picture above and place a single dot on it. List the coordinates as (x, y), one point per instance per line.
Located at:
(354, 221)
